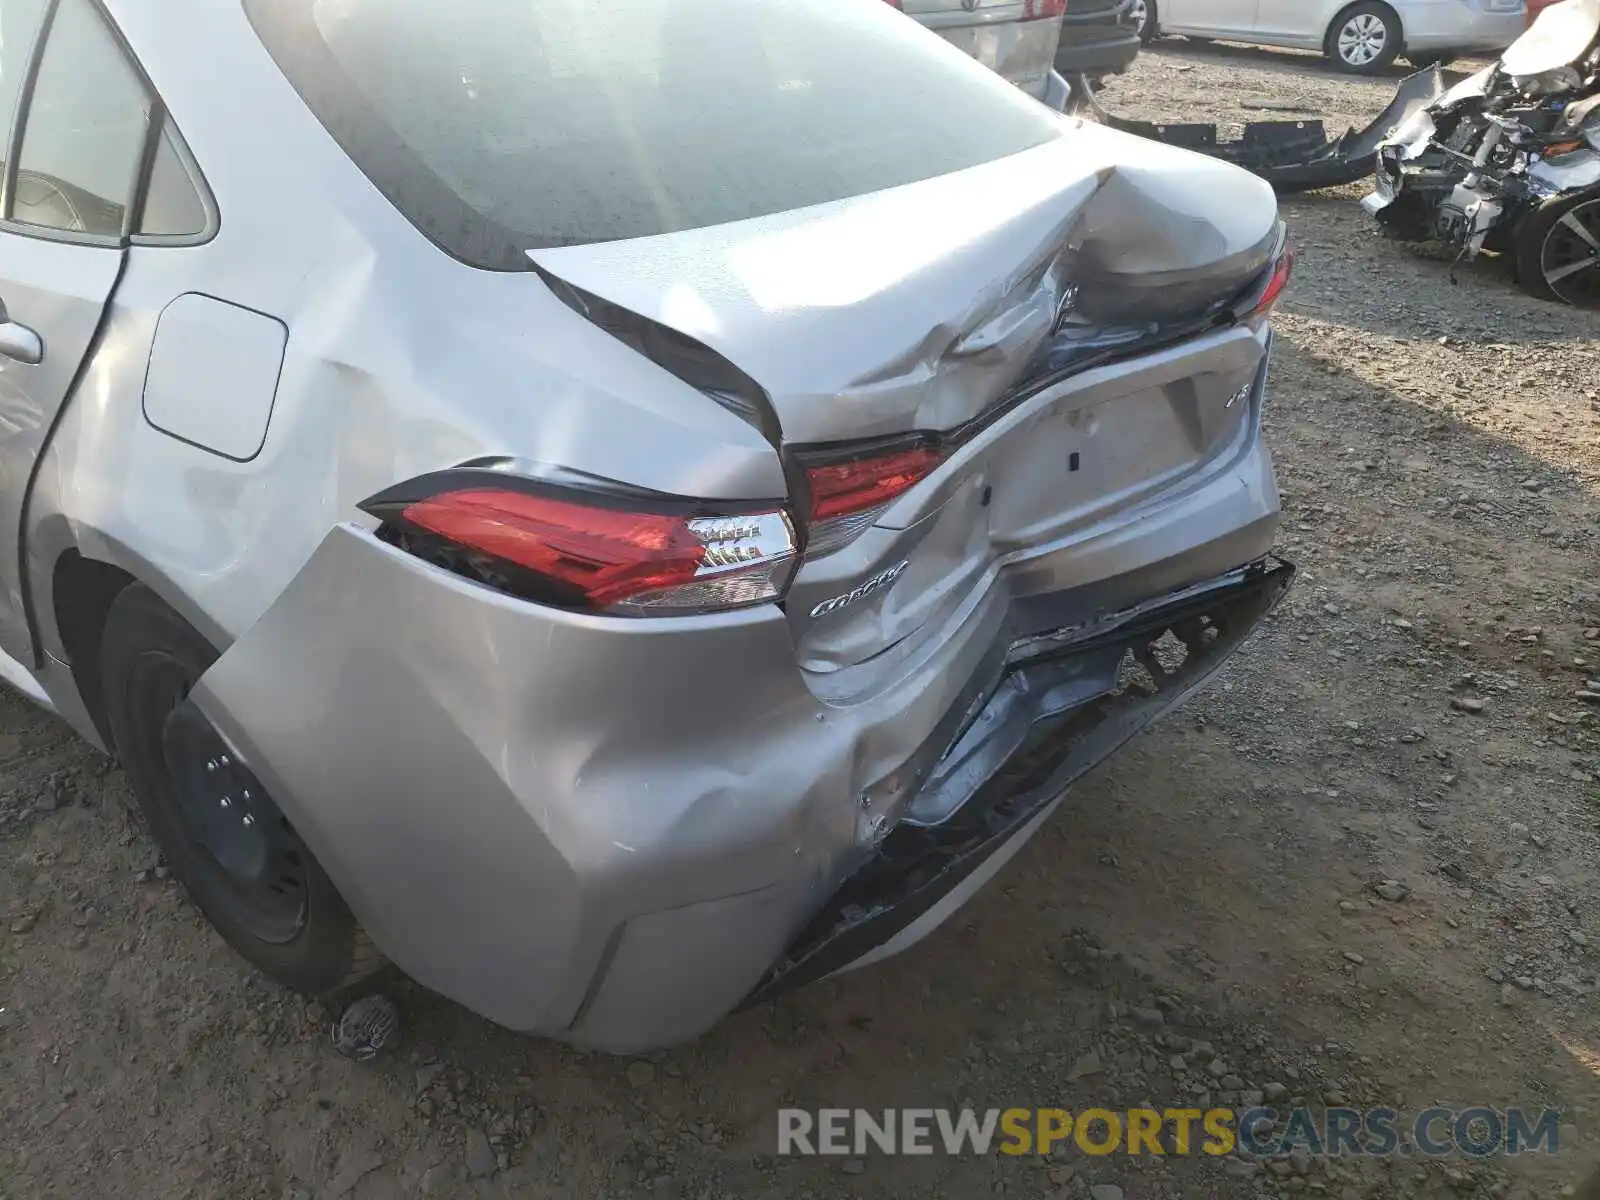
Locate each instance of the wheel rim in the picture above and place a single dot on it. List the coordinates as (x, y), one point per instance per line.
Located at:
(226, 813)
(1570, 256)
(1141, 15)
(1362, 39)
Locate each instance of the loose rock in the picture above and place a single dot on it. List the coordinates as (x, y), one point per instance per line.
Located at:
(352, 1169)
(427, 1073)
(480, 1157)
(1089, 1064)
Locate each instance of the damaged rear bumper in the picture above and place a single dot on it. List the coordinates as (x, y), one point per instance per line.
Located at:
(609, 831)
(1145, 663)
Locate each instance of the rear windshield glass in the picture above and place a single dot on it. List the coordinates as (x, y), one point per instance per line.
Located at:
(499, 126)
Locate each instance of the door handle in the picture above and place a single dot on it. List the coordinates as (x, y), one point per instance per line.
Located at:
(20, 343)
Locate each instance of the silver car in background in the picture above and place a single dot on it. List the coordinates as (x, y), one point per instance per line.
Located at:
(619, 509)
(1360, 36)
(1017, 39)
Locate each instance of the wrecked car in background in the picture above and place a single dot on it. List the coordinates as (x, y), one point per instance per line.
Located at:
(1508, 160)
(568, 506)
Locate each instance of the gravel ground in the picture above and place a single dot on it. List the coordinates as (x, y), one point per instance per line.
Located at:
(1209, 917)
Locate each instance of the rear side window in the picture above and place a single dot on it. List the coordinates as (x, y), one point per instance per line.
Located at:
(87, 124)
(87, 133)
(506, 125)
(172, 204)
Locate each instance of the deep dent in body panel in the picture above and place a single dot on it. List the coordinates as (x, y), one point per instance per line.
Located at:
(762, 794)
(1152, 232)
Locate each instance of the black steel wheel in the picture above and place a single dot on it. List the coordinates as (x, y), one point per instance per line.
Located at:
(221, 833)
(1558, 250)
(249, 845)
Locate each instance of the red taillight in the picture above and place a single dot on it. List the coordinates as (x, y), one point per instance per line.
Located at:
(1035, 10)
(597, 556)
(846, 497)
(849, 487)
(602, 554)
(1277, 282)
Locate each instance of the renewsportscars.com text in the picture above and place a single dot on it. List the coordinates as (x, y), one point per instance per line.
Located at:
(1433, 1132)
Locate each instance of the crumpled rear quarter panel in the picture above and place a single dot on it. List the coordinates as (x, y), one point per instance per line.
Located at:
(498, 788)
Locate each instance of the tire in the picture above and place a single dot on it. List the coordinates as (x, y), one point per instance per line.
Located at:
(1363, 39)
(1555, 260)
(1147, 20)
(273, 904)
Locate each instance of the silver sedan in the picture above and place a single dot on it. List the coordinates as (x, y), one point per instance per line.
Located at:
(1361, 36)
(618, 509)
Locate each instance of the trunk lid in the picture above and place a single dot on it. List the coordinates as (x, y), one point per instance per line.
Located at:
(916, 307)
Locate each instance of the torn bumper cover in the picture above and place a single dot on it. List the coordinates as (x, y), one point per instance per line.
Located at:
(1044, 732)
(1295, 156)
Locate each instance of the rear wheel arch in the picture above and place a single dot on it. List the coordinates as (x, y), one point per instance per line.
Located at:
(218, 828)
(84, 582)
(81, 592)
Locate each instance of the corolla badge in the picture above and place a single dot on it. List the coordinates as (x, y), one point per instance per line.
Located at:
(876, 584)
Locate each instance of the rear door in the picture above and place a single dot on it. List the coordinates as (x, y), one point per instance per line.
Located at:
(1219, 17)
(1296, 22)
(81, 124)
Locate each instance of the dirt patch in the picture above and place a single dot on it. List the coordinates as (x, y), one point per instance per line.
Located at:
(1210, 917)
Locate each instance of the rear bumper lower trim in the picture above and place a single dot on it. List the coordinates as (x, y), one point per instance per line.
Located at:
(918, 867)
